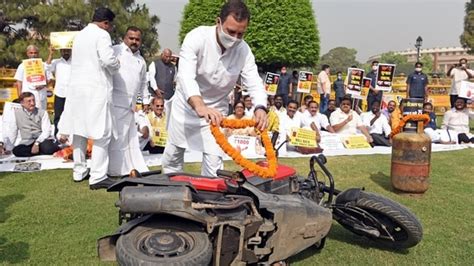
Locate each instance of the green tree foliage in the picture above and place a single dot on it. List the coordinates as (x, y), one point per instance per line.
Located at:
(400, 60)
(27, 22)
(340, 58)
(467, 38)
(281, 32)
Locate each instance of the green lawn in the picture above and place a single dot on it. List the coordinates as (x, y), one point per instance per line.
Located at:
(46, 218)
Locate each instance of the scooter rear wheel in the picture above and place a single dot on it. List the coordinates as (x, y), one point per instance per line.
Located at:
(164, 243)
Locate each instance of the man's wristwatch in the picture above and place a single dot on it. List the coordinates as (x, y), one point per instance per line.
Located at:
(260, 107)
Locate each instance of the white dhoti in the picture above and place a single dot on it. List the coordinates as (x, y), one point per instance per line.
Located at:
(124, 149)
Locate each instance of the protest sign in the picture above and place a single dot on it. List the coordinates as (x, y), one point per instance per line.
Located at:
(244, 144)
(34, 71)
(305, 80)
(467, 90)
(160, 137)
(384, 78)
(331, 142)
(271, 83)
(62, 40)
(355, 142)
(355, 78)
(303, 138)
(412, 106)
(364, 91)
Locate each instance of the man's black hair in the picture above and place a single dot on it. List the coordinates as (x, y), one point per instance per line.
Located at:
(237, 8)
(375, 62)
(308, 96)
(134, 28)
(427, 103)
(418, 64)
(293, 101)
(325, 66)
(103, 14)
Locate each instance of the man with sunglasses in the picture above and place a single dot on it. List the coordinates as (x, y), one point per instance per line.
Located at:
(211, 60)
(87, 111)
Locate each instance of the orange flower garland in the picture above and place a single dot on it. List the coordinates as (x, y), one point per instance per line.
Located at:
(425, 118)
(264, 172)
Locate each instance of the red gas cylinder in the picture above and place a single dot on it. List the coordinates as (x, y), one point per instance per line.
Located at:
(411, 157)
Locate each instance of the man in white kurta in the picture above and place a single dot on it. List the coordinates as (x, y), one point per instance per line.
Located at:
(129, 81)
(211, 60)
(87, 110)
(23, 85)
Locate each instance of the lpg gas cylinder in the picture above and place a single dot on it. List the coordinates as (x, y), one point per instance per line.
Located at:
(411, 157)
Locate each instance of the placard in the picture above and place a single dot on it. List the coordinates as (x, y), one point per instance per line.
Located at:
(466, 90)
(305, 80)
(303, 137)
(356, 142)
(160, 137)
(62, 40)
(34, 71)
(244, 144)
(384, 78)
(331, 142)
(364, 90)
(355, 77)
(271, 83)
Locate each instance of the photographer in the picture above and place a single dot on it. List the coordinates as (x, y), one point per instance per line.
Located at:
(458, 73)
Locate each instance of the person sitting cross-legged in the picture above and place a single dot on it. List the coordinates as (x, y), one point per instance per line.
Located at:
(157, 119)
(315, 120)
(377, 124)
(346, 121)
(34, 127)
(457, 120)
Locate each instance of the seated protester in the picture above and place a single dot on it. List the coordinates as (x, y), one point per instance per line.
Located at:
(249, 108)
(377, 124)
(393, 114)
(430, 129)
(278, 108)
(331, 108)
(270, 101)
(308, 98)
(290, 120)
(315, 120)
(157, 119)
(34, 127)
(457, 120)
(346, 121)
(239, 113)
(428, 109)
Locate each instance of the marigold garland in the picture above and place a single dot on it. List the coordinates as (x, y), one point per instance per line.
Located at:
(264, 172)
(424, 117)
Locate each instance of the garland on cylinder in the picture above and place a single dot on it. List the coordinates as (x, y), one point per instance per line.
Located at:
(424, 117)
(221, 140)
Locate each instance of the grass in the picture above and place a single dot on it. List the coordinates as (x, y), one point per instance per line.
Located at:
(46, 218)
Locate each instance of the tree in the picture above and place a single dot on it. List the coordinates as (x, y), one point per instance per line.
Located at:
(340, 58)
(400, 60)
(281, 32)
(38, 18)
(467, 38)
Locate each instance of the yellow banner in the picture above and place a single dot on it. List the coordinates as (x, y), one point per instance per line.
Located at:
(303, 138)
(356, 142)
(62, 40)
(34, 71)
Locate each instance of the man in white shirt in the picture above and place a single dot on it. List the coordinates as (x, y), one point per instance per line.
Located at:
(324, 88)
(457, 120)
(89, 98)
(61, 68)
(34, 127)
(377, 124)
(314, 119)
(278, 106)
(23, 85)
(458, 73)
(129, 82)
(249, 108)
(346, 121)
(211, 60)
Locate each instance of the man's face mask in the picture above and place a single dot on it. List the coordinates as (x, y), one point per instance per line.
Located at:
(226, 40)
(374, 68)
(418, 69)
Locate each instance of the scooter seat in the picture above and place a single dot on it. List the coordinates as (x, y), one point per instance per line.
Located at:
(203, 183)
(283, 172)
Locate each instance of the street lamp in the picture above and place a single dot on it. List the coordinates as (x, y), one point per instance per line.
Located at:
(419, 42)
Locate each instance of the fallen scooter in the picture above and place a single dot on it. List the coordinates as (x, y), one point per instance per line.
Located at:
(239, 218)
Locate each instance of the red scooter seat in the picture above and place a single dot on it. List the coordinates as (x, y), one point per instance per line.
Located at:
(203, 183)
(283, 171)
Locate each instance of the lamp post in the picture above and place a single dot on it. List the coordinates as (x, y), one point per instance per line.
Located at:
(419, 42)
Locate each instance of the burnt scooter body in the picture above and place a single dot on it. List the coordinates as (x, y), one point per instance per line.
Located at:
(238, 218)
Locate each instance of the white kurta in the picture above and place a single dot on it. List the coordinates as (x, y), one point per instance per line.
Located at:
(124, 148)
(89, 95)
(61, 68)
(205, 71)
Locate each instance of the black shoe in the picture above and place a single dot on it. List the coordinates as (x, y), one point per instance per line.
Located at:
(103, 184)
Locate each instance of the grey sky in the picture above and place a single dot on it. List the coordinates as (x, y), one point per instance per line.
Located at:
(369, 26)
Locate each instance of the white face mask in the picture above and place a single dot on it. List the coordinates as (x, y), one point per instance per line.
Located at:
(463, 65)
(418, 69)
(226, 40)
(374, 68)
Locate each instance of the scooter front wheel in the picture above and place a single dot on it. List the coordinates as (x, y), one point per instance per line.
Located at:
(380, 219)
(164, 243)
